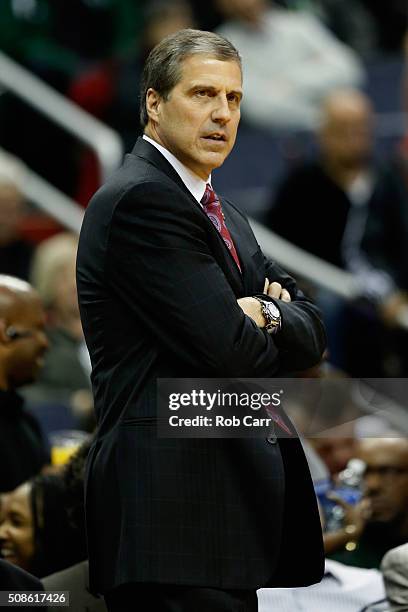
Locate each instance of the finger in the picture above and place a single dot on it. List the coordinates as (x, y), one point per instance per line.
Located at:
(274, 290)
(266, 285)
(339, 500)
(285, 296)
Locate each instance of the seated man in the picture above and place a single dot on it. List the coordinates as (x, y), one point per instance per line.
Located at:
(362, 207)
(23, 451)
(385, 485)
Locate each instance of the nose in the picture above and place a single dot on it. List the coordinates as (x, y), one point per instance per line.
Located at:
(43, 340)
(372, 483)
(221, 113)
(3, 532)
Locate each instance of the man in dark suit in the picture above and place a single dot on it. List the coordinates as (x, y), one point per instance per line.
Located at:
(166, 284)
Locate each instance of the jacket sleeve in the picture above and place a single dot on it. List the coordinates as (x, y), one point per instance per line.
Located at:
(302, 339)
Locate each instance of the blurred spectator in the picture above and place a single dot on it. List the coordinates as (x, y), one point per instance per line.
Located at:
(290, 62)
(35, 532)
(23, 451)
(65, 376)
(363, 209)
(344, 162)
(394, 567)
(385, 488)
(350, 21)
(15, 251)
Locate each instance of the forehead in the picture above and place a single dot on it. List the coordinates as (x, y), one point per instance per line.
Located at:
(386, 452)
(201, 68)
(27, 310)
(18, 500)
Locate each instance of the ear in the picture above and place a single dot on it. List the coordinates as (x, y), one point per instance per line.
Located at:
(153, 101)
(4, 339)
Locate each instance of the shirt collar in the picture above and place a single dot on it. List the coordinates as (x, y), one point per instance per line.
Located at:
(194, 183)
(339, 571)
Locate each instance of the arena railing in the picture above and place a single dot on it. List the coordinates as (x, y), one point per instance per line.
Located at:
(104, 141)
(312, 268)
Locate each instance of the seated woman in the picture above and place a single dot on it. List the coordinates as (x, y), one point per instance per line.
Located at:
(35, 531)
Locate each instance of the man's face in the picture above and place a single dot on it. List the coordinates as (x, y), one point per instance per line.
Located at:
(16, 528)
(26, 351)
(386, 478)
(198, 122)
(347, 135)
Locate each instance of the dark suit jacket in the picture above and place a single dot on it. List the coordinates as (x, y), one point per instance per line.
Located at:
(157, 291)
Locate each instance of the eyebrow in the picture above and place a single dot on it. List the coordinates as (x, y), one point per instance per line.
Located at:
(237, 92)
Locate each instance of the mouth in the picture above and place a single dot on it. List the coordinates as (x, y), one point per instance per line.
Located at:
(216, 137)
(8, 554)
(378, 506)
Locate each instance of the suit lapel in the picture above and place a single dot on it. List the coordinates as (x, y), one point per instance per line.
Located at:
(149, 153)
(246, 247)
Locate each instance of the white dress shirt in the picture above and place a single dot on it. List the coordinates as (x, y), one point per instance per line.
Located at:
(194, 183)
(343, 589)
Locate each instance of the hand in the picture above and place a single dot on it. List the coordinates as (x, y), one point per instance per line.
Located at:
(355, 515)
(392, 307)
(355, 518)
(274, 290)
(252, 308)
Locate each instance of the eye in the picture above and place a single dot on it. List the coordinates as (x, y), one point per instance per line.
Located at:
(16, 520)
(234, 98)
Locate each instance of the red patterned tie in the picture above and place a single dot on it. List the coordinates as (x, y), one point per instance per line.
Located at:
(212, 207)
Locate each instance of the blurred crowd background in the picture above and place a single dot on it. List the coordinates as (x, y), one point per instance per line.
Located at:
(321, 160)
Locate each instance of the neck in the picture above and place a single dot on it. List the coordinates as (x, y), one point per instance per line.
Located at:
(151, 133)
(343, 175)
(403, 529)
(3, 382)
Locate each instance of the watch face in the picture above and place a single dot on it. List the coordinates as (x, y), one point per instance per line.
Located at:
(273, 310)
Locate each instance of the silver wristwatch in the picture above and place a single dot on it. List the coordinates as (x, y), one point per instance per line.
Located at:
(271, 314)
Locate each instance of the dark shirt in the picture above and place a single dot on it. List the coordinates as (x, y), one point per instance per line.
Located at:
(376, 540)
(23, 451)
(312, 211)
(304, 199)
(13, 578)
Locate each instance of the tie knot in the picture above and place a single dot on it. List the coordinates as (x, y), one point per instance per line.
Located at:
(209, 196)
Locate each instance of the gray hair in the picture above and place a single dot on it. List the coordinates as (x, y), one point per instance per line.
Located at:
(162, 70)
